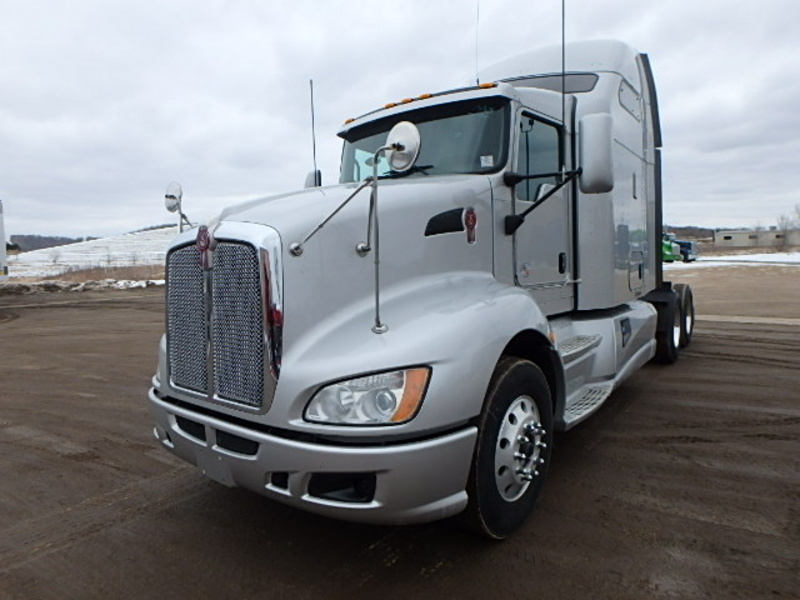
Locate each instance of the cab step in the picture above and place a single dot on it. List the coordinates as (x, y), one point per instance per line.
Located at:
(580, 345)
(588, 400)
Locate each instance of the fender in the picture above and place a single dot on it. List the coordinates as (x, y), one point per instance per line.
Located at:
(459, 325)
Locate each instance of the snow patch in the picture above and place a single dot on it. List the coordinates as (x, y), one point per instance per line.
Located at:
(784, 259)
(22, 289)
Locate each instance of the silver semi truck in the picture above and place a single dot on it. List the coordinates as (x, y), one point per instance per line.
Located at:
(402, 346)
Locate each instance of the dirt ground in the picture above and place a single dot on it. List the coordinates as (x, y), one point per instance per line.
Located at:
(685, 485)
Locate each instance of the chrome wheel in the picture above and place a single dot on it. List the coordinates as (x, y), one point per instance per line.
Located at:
(677, 326)
(519, 445)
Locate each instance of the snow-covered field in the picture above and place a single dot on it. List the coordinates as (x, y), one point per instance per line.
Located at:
(149, 248)
(130, 249)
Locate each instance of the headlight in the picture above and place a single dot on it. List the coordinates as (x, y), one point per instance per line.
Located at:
(384, 398)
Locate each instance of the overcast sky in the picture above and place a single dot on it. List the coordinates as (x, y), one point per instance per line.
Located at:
(104, 102)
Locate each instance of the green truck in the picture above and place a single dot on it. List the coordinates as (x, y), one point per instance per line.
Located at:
(670, 249)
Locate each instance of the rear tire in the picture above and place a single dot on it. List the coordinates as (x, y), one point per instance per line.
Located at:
(686, 300)
(512, 454)
(668, 332)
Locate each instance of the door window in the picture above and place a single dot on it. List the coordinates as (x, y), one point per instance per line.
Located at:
(538, 152)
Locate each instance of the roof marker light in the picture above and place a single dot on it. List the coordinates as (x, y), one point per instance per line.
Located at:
(486, 86)
(424, 96)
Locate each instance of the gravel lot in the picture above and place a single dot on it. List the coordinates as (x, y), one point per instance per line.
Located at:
(685, 485)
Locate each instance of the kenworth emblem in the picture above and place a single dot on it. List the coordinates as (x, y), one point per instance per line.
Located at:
(471, 224)
(203, 243)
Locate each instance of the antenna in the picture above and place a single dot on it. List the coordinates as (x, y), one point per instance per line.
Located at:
(317, 174)
(477, 32)
(563, 76)
(563, 61)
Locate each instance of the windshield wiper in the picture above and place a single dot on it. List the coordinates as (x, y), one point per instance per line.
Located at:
(414, 169)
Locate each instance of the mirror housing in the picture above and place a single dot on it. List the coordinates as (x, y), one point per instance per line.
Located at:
(596, 159)
(173, 196)
(403, 143)
(313, 179)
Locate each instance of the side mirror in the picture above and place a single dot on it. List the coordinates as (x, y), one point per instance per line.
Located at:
(173, 196)
(313, 179)
(403, 144)
(596, 160)
(172, 201)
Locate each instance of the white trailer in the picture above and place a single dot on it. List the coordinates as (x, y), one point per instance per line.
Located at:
(402, 346)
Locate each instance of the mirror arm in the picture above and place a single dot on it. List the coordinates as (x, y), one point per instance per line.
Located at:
(511, 179)
(296, 248)
(513, 222)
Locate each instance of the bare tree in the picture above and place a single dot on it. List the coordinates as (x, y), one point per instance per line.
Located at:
(785, 223)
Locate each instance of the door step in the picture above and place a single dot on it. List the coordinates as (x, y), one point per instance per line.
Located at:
(574, 348)
(587, 402)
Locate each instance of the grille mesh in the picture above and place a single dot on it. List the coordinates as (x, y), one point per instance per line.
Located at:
(186, 319)
(237, 326)
(237, 323)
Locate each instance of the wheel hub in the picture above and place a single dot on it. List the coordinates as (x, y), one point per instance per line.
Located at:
(520, 442)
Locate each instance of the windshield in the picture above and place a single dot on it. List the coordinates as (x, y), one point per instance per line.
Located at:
(461, 137)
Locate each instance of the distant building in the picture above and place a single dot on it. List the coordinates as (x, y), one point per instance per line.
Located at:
(766, 238)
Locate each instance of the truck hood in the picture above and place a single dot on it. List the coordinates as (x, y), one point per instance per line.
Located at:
(405, 208)
(330, 283)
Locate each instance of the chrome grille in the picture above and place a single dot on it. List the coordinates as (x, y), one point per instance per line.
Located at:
(237, 324)
(235, 337)
(186, 321)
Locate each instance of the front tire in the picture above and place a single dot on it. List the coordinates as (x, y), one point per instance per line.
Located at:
(512, 454)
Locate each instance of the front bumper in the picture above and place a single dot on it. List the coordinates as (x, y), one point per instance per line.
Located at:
(409, 482)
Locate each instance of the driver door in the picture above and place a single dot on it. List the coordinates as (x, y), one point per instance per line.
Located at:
(542, 248)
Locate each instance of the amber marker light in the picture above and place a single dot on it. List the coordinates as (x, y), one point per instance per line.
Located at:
(413, 392)
(424, 96)
(390, 105)
(348, 121)
(486, 86)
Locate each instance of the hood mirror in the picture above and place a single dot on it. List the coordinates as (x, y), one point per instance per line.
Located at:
(313, 179)
(403, 143)
(172, 202)
(173, 196)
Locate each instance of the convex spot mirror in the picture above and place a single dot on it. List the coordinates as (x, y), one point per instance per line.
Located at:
(596, 160)
(173, 196)
(403, 142)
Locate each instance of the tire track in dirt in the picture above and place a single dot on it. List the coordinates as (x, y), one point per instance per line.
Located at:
(32, 539)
